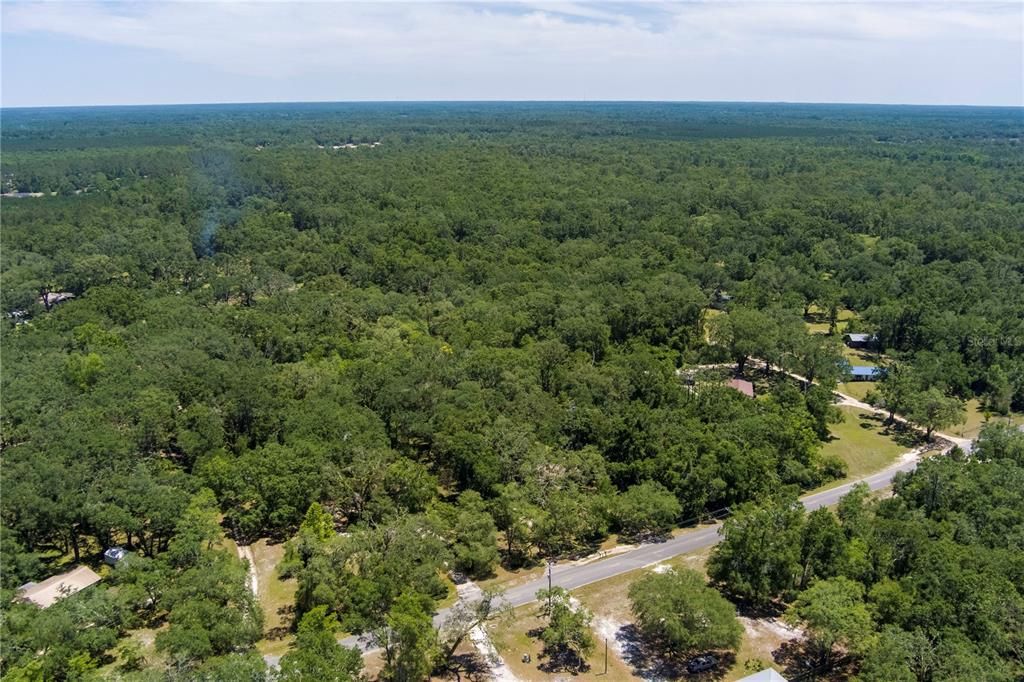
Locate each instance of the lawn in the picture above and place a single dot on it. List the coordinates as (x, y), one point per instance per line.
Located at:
(277, 597)
(817, 323)
(976, 418)
(865, 444)
(857, 389)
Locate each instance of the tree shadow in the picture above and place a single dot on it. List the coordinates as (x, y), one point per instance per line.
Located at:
(800, 661)
(899, 432)
(566, 661)
(467, 666)
(650, 660)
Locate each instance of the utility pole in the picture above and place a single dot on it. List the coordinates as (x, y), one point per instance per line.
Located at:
(550, 564)
(605, 655)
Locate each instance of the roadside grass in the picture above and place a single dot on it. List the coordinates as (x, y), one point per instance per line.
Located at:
(976, 418)
(865, 443)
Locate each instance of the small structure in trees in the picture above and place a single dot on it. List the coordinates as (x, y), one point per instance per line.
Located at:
(766, 675)
(47, 593)
(857, 340)
(743, 386)
(114, 555)
(865, 373)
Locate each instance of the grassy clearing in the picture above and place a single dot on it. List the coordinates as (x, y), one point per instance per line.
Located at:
(609, 601)
(277, 598)
(817, 321)
(857, 389)
(865, 444)
(512, 639)
(858, 356)
(976, 418)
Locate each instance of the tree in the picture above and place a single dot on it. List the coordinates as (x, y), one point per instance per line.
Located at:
(744, 332)
(759, 555)
(475, 549)
(890, 657)
(933, 410)
(408, 639)
(567, 638)
(822, 544)
(895, 390)
(646, 509)
(317, 655)
(833, 613)
(465, 617)
(514, 515)
(681, 614)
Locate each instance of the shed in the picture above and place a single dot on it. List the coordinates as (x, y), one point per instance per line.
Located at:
(766, 675)
(864, 373)
(114, 555)
(52, 298)
(856, 340)
(46, 593)
(720, 300)
(743, 386)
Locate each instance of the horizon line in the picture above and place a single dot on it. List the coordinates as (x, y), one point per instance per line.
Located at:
(508, 101)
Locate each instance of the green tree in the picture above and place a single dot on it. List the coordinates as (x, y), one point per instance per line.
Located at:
(822, 545)
(465, 617)
(644, 510)
(317, 655)
(833, 613)
(759, 555)
(475, 548)
(933, 410)
(568, 640)
(408, 639)
(679, 612)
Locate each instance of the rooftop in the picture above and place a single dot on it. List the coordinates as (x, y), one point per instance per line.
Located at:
(743, 386)
(46, 593)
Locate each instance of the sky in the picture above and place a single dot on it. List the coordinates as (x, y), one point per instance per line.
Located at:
(153, 52)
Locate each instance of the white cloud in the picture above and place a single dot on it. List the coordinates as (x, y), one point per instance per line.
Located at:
(610, 44)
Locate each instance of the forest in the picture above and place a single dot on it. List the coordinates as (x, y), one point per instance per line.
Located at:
(416, 340)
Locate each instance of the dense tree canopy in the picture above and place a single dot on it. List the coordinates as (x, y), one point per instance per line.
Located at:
(466, 338)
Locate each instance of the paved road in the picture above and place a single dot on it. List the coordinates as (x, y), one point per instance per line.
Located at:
(572, 575)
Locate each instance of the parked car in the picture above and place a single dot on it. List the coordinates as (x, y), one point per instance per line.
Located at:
(114, 555)
(701, 663)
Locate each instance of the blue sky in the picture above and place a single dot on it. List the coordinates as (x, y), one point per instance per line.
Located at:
(85, 53)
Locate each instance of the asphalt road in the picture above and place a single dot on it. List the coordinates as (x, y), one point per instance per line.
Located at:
(572, 575)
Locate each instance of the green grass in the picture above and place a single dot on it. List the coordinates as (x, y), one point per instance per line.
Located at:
(276, 596)
(976, 418)
(856, 389)
(865, 444)
(817, 323)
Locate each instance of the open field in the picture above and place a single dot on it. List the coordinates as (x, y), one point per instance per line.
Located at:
(857, 389)
(976, 418)
(865, 444)
(817, 322)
